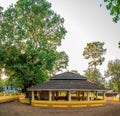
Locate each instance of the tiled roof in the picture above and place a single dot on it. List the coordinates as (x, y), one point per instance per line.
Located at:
(68, 76)
(67, 81)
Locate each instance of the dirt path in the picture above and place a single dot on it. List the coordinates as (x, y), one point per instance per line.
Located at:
(17, 109)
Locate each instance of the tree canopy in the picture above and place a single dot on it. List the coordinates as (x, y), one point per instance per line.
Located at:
(94, 51)
(30, 33)
(95, 76)
(114, 7)
(113, 71)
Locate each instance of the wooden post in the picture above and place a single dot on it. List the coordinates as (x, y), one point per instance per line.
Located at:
(78, 95)
(83, 95)
(53, 95)
(96, 95)
(39, 95)
(88, 95)
(57, 94)
(69, 96)
(33, 96)
(50, 96)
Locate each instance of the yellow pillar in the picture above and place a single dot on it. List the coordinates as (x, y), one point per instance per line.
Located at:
(104, 95)
(33, 96)
(50, 96)
(38, 95)
(76, 93)
(69, 96)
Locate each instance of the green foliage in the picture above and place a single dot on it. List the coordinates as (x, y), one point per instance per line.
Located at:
(30, 33)
(1, 84)
(95, 76)
(114, 7)
(94, 51)
(111, 85)
(113, 71)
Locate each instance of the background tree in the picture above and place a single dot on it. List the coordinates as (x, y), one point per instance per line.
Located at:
(94, 51)
(114, 7)
(113, 71)
(110, 85)
(30, 33)
(95, 76)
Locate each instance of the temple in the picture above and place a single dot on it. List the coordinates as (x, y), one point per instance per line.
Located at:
(67, 90)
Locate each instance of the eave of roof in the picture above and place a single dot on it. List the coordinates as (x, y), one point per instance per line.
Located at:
(94, 90)
(67, 85)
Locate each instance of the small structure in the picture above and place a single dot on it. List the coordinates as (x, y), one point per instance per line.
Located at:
(9, 89)
(67, 90)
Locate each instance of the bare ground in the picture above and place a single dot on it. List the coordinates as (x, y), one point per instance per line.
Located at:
(15, 108)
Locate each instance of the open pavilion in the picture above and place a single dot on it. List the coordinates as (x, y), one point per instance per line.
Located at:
(67, 90)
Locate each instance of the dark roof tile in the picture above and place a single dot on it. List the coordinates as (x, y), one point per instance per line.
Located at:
(67, 81)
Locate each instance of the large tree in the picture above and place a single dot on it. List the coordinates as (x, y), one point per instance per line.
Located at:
(113, 71)
(94, 51)
(114, 7)
(30, 33)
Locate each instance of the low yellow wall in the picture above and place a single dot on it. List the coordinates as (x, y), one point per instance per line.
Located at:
(113, 99)
(8, 98)
(67, 104)
(24, 100)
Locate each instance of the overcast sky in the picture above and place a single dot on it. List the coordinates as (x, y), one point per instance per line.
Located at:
(85, 21)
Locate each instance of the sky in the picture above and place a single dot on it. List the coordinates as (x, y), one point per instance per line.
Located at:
(85, 21)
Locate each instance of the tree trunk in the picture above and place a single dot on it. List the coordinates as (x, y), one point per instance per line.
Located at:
(24, 90)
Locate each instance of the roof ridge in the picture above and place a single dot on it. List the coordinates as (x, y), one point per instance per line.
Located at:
(68, 76)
